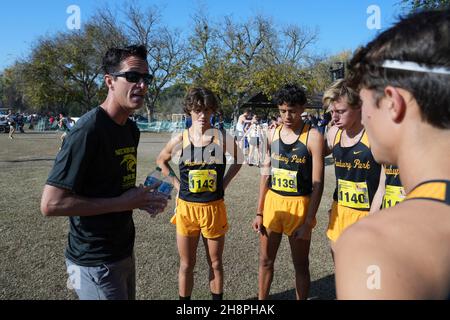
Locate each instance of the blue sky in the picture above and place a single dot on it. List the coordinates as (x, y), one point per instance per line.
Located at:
(341, 23)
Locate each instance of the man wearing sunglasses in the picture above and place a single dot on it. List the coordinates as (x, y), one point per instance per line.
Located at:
(93, 181)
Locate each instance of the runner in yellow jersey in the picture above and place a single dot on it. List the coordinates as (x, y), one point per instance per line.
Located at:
(200, 205)
(404, 79)
(357, 173)
(290, 191)
(394, 193)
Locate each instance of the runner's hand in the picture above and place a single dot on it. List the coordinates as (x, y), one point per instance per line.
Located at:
(258, 225)
(303, 232)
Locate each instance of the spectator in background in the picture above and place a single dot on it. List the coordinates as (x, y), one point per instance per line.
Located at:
(12, 123)
(219, 121)
(272, 123)
(254, 136)
(323, 122)
(63, 124)
(305, 118)
(313, 120)
(242, 125)
(188, 122)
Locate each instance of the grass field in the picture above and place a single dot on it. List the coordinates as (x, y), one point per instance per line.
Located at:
(32, 246)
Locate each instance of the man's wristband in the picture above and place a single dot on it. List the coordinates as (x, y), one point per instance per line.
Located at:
(259, 214)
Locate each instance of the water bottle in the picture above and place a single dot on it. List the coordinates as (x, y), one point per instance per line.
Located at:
(153, 178)
(166, 186)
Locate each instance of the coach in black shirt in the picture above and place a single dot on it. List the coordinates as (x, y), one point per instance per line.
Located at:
(93, 181)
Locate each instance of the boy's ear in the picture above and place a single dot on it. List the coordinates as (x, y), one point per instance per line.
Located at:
(396, 100)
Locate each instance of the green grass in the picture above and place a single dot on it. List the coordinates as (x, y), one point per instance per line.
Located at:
(32, 246)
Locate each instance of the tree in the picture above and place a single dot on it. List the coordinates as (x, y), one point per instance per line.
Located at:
(64, 69)
(11, 87)
(167, 53)
(426, 4)
(171, 99)
(235, 60)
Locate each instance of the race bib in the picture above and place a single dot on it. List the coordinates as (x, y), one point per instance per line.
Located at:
(202, 181)
(284, 180)
(393, 196)
(353, 194)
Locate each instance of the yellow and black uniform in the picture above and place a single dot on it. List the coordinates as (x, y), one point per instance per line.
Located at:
(290, 184)
(436, 190)
(395, 193)
(200, 205)
(357, 179)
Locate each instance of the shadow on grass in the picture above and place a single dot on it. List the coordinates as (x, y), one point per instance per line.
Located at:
(321, 289)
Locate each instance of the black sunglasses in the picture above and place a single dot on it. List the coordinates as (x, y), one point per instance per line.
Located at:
(134, 76)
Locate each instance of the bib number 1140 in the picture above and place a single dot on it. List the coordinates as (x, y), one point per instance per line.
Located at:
(353, 194)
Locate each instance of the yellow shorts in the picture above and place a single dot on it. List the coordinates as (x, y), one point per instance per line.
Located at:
(342, 217)
(284, 214)
(192, 217)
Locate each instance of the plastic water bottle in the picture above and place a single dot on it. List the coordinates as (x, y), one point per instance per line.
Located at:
(155, 177)
(166, 186)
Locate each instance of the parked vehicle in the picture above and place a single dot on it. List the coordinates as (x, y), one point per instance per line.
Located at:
(4, 125)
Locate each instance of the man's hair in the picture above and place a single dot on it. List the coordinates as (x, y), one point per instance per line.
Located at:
(115, 56)
(422, 38)
(340, 89)
(291, 94)
(200, 98)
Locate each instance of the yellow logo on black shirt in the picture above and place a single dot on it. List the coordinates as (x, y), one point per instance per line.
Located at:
(293, 159)
(392, 172)
(357, 164)
(130, 161)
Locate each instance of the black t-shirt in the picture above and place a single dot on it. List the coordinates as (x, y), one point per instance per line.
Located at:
(98, 160)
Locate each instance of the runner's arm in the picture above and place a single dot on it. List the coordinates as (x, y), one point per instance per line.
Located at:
(171, 149)
(238, 158)
(379, 194)
(316, 147)
(263, 183)
(330, 136)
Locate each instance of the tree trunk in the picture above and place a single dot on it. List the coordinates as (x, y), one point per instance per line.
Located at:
(149, 108)
(149, 114)
(236, 109)
(235, 113)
